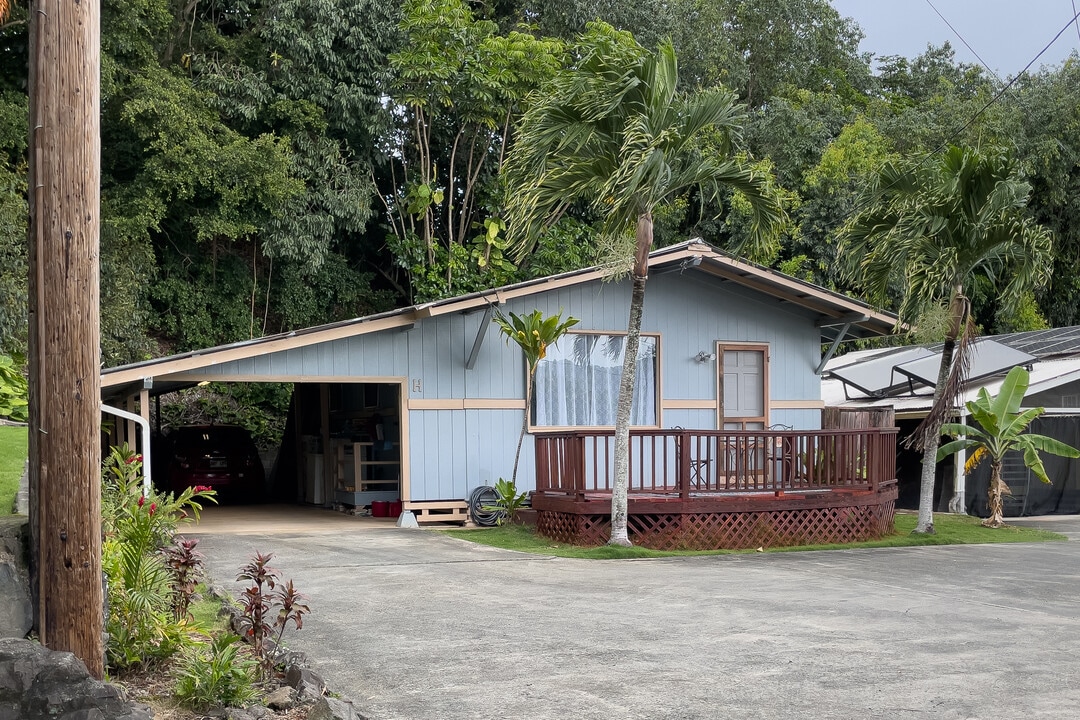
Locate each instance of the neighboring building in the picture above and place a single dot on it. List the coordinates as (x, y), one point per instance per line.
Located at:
(425, 403)
(903, 379)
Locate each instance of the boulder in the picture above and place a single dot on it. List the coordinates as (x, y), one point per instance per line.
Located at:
(328, 708)
(16, 610)
(40, 684)
(281, 699)
(305, 681)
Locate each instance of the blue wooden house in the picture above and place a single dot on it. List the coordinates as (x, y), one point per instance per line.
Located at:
(425, 403)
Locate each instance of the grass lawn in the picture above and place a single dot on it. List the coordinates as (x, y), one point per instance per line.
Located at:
(951, 530)
(12, 460)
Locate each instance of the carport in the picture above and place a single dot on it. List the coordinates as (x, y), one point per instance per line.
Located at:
(345, 438)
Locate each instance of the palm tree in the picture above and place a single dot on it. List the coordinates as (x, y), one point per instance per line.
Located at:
(930, 230)
(1001, 430)
(534, 334)
(612, 132)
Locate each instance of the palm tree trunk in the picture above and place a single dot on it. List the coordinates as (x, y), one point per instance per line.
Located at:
(932, 433)
(993, 497)
(627, 382)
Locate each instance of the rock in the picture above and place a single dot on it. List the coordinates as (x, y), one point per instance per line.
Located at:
(39, 684)
(328, 708)
(256, 712)
(294, 657)
(297, 676)
(16, 610)
(281, 699)
(309, 693)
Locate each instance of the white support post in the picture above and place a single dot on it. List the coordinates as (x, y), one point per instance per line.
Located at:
(958, 504)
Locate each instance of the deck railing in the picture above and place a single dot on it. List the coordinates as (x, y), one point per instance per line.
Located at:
(695, 463)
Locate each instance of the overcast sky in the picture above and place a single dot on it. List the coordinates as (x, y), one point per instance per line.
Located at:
(1007, 34)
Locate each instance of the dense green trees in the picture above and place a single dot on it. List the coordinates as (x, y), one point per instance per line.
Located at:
(269, 164)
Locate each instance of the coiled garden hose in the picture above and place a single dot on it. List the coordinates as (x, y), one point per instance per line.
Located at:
(484, 497)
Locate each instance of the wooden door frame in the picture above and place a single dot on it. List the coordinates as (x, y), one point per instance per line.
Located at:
(740, 346)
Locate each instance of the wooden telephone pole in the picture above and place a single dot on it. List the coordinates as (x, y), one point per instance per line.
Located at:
(64, 357)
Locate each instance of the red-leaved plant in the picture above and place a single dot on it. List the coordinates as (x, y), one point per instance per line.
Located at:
(185, 565)
(267, 607)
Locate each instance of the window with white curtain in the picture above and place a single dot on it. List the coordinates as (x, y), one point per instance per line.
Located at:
(577, 384)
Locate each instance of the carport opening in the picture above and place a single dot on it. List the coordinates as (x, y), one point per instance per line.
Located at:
(322, 444)
(350, 443)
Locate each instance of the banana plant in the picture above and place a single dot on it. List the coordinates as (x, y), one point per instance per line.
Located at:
(1001, 430)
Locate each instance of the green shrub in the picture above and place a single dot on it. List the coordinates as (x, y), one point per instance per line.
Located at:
(13, 390)
(137, 528)
(214, 674)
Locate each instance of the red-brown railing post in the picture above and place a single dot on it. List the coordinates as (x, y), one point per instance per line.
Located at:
(684, 465)
(576, 460)
(873, 464)
(543, 474)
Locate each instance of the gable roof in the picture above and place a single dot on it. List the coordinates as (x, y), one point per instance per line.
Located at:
(835, 311)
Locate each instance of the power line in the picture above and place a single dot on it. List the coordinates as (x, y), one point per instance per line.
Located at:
(971, 121)
(1005, 88)
(966, 44)
(1075, 15)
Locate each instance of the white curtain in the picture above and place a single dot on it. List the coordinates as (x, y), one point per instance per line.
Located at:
(577, 384)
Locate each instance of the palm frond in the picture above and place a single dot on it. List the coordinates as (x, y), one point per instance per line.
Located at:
(935, 226)
(613, 131)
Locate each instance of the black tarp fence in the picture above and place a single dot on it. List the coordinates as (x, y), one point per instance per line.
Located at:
(1030, 496)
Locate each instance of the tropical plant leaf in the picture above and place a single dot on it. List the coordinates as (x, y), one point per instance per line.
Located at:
(1035, 464)
(961, 430)
(955, 446)
(1015, 424)
(1008, 399)
(1051, 445)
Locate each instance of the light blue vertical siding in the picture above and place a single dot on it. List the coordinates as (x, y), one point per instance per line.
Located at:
(798, 419)
(489, 455)
(691, 419)
(437, 473)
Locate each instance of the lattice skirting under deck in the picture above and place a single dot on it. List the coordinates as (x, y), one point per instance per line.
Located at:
(727, 530)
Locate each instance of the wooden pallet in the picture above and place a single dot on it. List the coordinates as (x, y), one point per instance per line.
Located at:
(440, 511)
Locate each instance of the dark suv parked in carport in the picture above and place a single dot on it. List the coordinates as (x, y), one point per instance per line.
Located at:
(221, 456)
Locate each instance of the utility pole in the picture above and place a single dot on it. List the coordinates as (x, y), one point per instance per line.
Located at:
(64, 357)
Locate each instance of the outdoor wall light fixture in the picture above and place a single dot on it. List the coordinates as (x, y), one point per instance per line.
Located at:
(704, 357)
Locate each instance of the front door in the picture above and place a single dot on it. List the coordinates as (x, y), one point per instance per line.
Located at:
(743, 386)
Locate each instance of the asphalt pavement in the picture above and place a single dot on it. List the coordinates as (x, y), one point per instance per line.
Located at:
(415, 624)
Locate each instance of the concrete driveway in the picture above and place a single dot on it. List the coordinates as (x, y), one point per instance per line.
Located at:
(414, 624)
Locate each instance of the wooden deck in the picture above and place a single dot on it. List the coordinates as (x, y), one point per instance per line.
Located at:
(720, 489)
